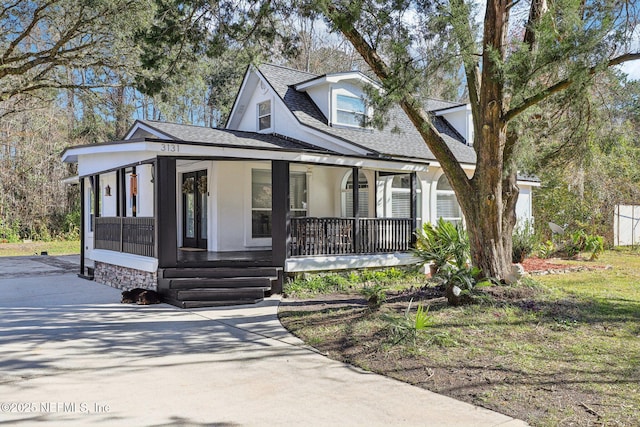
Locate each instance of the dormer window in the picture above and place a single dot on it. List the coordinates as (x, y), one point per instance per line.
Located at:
(264, 115)
(350, 111)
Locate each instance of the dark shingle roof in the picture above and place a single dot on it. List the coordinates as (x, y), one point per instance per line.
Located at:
(207, 135)
(398, 139)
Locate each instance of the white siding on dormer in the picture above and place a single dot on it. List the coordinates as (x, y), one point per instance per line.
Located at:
(249, 120)
(460, 121)
(321, 95)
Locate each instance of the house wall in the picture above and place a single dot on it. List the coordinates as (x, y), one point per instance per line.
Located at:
(461, 121)
(321, 97)
(232, 189)
(524, 208)
(108, 203)
(90, 164)
(145, 190)
(284, 122)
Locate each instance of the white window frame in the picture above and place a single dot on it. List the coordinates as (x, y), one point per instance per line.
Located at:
(345, 190)
(304, 211)
(354, 112)
(269, 114)
(252, 209)
(439, 193)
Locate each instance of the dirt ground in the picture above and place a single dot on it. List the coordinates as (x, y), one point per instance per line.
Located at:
(482, 378)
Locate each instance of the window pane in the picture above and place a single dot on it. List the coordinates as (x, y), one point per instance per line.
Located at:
(350, 103)
(443, 184)
(203, 215)
(447, 206)
(264, 108)
(363, 193)
(349, 118)
(260, 189)
(401, 181)
(261, 224)
(298, 190)
(401, 204)
(264, 122)
(191, 216)
(363, 201)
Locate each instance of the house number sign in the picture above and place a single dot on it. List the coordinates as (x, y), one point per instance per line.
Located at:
(170, 148)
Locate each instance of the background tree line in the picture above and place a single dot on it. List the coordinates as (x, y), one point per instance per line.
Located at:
(80, 72)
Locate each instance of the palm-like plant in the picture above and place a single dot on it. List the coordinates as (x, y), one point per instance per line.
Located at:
(442, 244)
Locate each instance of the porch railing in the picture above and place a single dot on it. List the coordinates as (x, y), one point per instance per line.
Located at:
(132, 235)
(338, 236)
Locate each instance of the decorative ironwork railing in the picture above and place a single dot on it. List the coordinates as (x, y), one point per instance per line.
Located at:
(132, 235)
(338, 236)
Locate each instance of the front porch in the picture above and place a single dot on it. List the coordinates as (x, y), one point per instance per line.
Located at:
(308, 237)
(211, 241)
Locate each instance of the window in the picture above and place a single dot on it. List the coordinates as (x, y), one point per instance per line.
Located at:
(363, 199)
(401, 196)
(260, 203)
(261, 199)
(264, 115)
(350, 111)
(447, 206)
(298, 193)
(394, 195)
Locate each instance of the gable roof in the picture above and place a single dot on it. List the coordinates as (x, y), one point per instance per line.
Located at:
(398, 139)
(191, 133)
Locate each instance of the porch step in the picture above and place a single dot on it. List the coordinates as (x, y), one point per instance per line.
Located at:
(221, 283)
(203, 304)
(212, 287)
(208, 294)
(220, 272)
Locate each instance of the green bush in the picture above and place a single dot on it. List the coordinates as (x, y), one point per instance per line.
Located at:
(345, 281)
(10, 233)
(460, 282)
(442, 244)
(524, 242)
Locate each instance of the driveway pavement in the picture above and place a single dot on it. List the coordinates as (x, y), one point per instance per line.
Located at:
(71, 354)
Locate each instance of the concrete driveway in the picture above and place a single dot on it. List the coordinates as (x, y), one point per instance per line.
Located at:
(71, 354)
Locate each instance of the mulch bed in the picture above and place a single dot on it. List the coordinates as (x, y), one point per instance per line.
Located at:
(539, 266)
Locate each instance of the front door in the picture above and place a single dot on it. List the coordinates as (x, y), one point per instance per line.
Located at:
(194, 209)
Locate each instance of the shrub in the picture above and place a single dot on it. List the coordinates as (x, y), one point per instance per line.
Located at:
(459, 282)
(442, 244)
(546, 249)
(407, 327)
(376, 295)
(595, 245)
(10, 233)
(523, 242)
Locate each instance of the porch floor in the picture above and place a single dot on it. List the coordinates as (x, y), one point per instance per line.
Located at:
(218, 259)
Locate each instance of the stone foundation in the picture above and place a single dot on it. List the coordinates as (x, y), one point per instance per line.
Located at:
(124, 278)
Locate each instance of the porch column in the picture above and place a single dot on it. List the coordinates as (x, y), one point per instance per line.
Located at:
(414, 206)
(165, 211)
(281, 216)
(355, 174)
(83, 225)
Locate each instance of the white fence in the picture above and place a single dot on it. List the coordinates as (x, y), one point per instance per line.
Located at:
(626, 225)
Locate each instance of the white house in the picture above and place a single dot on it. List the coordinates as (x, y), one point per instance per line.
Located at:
(295, 182)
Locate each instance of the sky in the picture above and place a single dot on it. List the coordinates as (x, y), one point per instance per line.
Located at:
(632, 68)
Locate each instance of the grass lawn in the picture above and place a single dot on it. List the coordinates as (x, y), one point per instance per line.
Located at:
(36, 248)
(563, 349)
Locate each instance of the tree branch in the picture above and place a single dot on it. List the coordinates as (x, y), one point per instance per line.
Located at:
(562, 85)
(409, 104)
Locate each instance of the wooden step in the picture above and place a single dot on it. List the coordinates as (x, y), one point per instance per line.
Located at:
(213, 294)
(230, 282)
(220, 272)
(202, 304)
